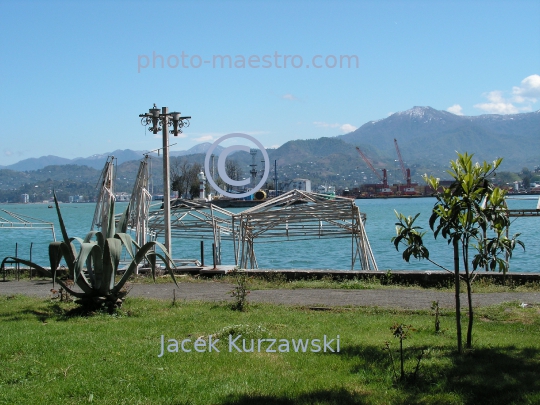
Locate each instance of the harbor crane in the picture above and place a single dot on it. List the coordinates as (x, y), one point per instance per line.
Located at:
(384, 179)
(409, 189)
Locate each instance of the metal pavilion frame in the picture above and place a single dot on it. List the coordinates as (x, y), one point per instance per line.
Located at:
(302, 215)
(12, 220)
(294, 215)
(106, 195)
(140, 204)
(193, 219)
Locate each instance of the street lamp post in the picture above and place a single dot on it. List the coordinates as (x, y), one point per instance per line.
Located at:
(162, 122)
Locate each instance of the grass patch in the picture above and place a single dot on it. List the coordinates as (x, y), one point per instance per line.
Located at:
(52, 354)
(278, 280)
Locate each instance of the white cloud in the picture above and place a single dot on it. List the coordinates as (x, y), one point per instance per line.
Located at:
(497, 104)
(159, 135)
(522, 99)
(8, 152)
(204, 138)
(455, 109)
(289, 97)
(346, 128)
(529, 89)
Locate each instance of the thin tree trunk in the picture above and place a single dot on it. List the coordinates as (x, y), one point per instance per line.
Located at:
(469, 294)
(471, 315)
(458, 304)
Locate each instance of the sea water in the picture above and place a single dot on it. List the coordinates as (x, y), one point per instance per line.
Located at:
(305, 254)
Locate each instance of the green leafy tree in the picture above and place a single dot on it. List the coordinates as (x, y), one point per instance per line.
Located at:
(471, 214)
(526, 177)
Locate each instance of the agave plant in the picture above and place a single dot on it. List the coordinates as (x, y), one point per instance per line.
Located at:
(94, 267)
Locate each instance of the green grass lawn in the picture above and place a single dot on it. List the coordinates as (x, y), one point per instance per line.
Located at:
(51, 355)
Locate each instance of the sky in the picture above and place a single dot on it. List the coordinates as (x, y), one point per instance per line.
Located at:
(74, 76)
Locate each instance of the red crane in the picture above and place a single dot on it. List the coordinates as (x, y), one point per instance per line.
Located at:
(383, 178)
(409, 189)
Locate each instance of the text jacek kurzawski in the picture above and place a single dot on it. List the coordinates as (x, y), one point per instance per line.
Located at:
(240, 345)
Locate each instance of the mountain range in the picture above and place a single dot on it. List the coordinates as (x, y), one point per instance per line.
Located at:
(426, 135)
(97, 161)
(428, 139)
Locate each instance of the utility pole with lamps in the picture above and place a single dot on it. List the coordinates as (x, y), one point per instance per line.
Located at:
(161, 121)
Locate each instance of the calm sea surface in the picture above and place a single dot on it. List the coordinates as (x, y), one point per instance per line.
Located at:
(311, 254)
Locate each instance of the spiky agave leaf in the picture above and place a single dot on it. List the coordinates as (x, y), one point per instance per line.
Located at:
(128, 242)
(165, 259)
(90, 255)
(111, 258)
(123, 221)
(60, 219)
(144, 251)
(67, 253)
(42, 269)
(55, 256)
(111, 230)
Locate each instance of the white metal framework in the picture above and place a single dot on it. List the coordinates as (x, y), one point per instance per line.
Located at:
(302, 215)
(192, 219)
(12, 220)
(139, 204)
(293, 215)
(106, 195)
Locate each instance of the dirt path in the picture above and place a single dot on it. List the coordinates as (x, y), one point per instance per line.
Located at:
(218, 291)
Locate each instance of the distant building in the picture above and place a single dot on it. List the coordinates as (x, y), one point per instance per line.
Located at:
(326, 190)
(122, 197)
(25, 198)
(300, 184)
(76, 198)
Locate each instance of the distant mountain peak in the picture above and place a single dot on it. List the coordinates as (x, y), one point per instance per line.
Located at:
(423, 112)
(428, 136)
(416, 111)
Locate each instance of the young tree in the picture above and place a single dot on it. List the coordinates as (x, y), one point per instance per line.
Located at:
(526, 177)
(233, 169)
(464, 214)
(185, 177)
(179, 175)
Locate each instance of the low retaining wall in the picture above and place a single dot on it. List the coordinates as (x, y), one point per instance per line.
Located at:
(422, 278)
(399, 277)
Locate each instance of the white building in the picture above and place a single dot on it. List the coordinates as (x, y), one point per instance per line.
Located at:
(300, 184)
(326, 189)
(25, 198)
(122, 197)
(76, 198)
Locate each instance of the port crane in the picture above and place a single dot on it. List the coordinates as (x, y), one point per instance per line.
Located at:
(384, 179)
(409, 189)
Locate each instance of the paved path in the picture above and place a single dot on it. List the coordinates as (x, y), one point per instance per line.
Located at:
(218, 291)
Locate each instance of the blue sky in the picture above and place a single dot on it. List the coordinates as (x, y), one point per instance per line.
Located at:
(75, 75)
